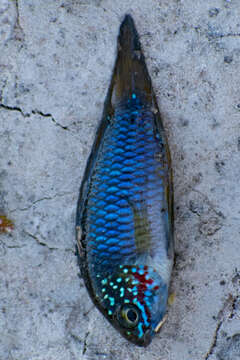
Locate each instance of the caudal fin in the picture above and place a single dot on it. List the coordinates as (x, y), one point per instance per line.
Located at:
(130, 73)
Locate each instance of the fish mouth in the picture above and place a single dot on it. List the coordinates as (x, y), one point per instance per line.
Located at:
(160, 324)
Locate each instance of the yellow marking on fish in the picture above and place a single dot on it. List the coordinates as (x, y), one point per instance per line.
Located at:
(141, 230)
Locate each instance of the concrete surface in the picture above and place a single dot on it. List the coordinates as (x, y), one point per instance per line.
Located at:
(56, 59)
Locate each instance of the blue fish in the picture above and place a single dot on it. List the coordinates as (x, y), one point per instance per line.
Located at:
(125, 208)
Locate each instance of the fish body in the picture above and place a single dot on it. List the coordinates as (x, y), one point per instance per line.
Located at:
(125, 208)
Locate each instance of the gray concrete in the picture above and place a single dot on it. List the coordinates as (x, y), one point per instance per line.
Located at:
(56, 59)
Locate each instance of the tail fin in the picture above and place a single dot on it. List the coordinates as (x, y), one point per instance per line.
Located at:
(130, 72)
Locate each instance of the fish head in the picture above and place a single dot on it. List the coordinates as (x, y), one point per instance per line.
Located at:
(134, 300)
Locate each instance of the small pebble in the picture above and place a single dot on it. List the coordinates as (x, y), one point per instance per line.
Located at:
(213, 12)
(228, 59)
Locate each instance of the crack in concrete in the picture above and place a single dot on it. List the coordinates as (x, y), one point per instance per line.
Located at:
(213, 34)
(14, 246)
(210, 219)
(17, 10)
(14, 108)
(11, 246)
(48, 115)
(39, 200)
(222, 316)
(214, 341)
(41, 243)
(220, 35)
(88, 311)
(209, 203)
(18, 28)
(85, 343)
(2, 89)
(72, 318)
(234, 305)
(33, 112)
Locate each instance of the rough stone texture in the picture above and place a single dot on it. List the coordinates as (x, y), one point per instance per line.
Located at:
(56, 59)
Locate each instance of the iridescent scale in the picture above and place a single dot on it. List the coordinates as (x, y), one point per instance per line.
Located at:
(126, 191)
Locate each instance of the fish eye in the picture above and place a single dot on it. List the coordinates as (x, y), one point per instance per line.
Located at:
(128, 316)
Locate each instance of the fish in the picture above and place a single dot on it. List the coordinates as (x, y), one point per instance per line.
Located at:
(124, 220)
